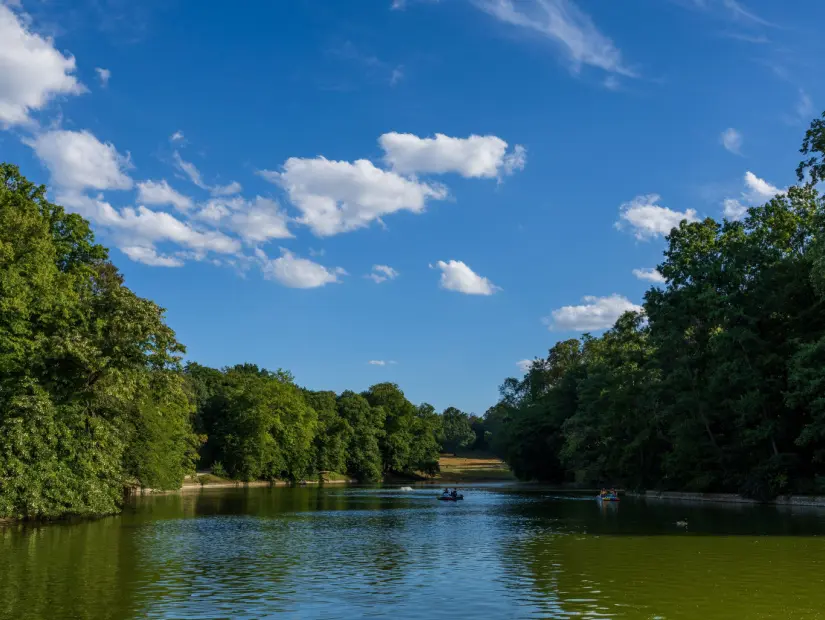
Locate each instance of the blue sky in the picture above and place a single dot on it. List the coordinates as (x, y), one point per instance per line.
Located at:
(444, 187)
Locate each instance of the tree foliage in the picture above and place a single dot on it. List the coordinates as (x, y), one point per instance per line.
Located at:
(718, 386)
(90, 395)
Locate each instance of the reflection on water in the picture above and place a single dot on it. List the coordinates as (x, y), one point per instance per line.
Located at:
(505, 552)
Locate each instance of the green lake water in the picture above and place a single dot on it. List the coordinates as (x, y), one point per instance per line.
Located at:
(354, 552)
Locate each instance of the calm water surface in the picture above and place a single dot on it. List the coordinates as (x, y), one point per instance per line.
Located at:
(335, 552)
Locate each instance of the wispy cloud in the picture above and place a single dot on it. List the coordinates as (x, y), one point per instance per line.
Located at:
(561, 21)
(803, 110)
(741, 13)
(371, 65)
(382, 273)
(381, 362)
(103, 75)
(747, 38)
(731, 139)
(397, 75)
(731, 10)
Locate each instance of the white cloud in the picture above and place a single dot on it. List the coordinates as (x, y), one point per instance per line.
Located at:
(143, 227)
(567, 26)
(190, 170)
(649, 274)
(473, 157)
(397, 75)
(611, 82)
(296, 272)
(32, 71)
(382, 273)
(154, 193)
(733, 210)
(804, 107)
(649, 220)
(340, 196)
(757, 191)
(103, 75)
(524, 365)
(730, 9)
(226, 190)
(149, 256)
(760, 189)
(152, 226)
(214, 211)
(516, 160)
(381, 362)
(195, 176)
(78, 160)
(457, 276)
(740, 13)
(594, 314)
(259, 220)
(176, 137)
(732, 140)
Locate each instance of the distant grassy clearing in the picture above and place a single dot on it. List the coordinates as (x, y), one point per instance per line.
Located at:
(473, 468)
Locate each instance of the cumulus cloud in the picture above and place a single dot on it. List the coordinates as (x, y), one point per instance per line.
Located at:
(32, 71)
(760, 189)
(143, 228)
(160, 193)
(563, 23)
(473, 157)
(457, 276)
(648, 220)
(78, 160)
(153, 226)
(295, 272)
(149, 256)
(649, 274)
(340, 196)
(259, 220)
(732, 140)
(594, 314)
(524, 365)
(177, 136)
(756, 192)
(382, 273)
(103, 75)
(226, 190)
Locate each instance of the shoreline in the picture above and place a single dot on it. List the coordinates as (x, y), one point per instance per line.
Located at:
(189, 487)
(731, 498)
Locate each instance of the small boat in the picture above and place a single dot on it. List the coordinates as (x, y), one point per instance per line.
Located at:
(449, 498)
(608, 498)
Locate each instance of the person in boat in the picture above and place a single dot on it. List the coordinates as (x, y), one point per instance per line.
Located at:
(454, 493)
(603, 493)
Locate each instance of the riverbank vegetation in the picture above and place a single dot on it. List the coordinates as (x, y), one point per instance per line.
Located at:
(719, 385)
(95, 399)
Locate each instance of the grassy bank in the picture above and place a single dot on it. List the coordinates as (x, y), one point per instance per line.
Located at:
(473, 467)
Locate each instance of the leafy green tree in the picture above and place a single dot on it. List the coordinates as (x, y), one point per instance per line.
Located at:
(367, 423)
(457, 430)
(333, 434)
(80, 356)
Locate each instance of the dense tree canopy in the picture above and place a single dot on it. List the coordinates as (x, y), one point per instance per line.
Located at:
(718, 386)
(91, 398)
